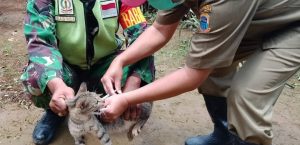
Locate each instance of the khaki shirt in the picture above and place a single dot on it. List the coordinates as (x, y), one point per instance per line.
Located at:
(227, 27)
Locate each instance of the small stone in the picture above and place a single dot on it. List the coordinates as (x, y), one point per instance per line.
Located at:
(10, 39)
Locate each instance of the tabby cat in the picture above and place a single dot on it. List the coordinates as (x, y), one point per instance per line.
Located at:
(83, 109)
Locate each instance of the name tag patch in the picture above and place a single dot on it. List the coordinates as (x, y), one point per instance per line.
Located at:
(65, 18)
(108, 9)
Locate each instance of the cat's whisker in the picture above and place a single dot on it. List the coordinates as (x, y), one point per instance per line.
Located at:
(106, 96)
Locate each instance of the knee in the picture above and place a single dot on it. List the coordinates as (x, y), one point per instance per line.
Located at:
(237, 94)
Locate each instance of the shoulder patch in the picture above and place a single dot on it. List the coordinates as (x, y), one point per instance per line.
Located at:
(131, 16)
(204, 23)
(108, 9)
(204, 19)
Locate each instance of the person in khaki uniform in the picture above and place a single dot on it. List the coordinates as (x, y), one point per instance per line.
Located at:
(263, 34)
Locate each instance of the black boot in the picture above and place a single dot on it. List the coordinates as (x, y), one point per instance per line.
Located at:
(46, 127)
(217, 108)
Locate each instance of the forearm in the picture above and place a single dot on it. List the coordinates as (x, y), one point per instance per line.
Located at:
(45, 60)
(178, 82)
(54, 84)
(155, 37)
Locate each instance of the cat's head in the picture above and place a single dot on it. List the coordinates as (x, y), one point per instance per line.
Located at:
(85, 102)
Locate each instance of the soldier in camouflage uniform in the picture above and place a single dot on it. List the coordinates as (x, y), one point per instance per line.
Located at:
(71, 41)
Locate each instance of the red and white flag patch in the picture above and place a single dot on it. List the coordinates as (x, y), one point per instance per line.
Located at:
(108, 9)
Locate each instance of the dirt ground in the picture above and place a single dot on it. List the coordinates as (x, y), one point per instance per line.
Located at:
(171, 122)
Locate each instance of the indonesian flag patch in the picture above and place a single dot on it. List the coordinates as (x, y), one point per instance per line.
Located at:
(109, 9)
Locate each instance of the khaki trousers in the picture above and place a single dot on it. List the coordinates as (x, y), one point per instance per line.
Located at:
(253, 89)
(270, 52)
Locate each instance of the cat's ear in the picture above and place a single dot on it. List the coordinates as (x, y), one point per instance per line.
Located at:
(82, 88)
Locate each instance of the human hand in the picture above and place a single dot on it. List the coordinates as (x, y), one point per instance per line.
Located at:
(60, 92)
(115, 106)
(133, 112)
(111, 80)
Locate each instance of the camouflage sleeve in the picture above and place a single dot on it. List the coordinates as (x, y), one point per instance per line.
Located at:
(45, 61)
(134, 23)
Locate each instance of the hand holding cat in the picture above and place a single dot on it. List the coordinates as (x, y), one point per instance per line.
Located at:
(114, 107)
(60, 92)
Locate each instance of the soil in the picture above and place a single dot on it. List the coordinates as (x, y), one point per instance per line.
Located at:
(172, 120)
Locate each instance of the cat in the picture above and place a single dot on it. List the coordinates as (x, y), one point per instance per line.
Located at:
(83, 109)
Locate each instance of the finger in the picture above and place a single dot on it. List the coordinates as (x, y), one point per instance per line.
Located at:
(118, 86)
(107, 102)
(53, 107)
(60, 114)
(64, 112)
(69, 96)
(107, 83)
(59, 104)
(104, 115)
(138, 111)
(103, 81)
(56, 109)
(127, 114)
(105, 89)
(132, 112)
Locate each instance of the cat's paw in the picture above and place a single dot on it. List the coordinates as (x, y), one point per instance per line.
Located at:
(80, 143)
(135, 131)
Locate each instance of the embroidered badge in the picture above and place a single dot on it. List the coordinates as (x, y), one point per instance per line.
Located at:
(66, 7)
(65, 11)
(108, 9)
(131, 16)
(206, 9)
(204, 20)
(204, 23)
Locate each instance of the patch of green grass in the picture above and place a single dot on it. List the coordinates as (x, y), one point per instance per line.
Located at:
(190, 22)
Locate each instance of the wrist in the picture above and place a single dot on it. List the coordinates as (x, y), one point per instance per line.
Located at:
(126, 101)
(54, 84)
(119, 61)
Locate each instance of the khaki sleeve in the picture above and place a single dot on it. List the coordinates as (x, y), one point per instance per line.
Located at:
(220, 32)
(171, 16)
